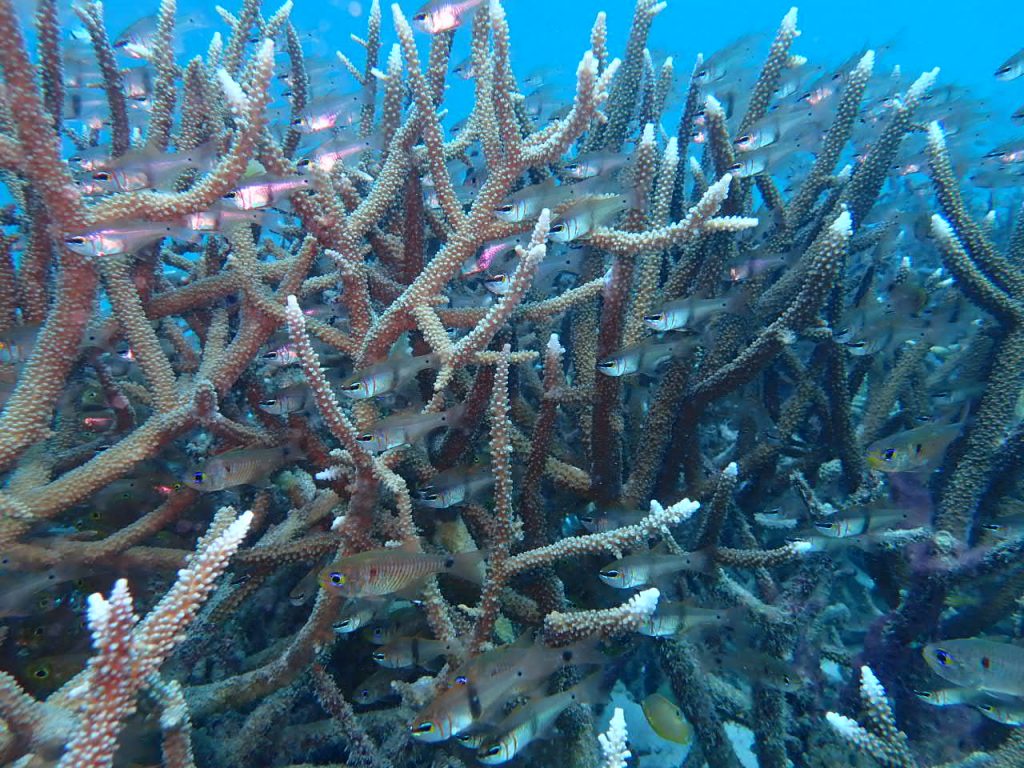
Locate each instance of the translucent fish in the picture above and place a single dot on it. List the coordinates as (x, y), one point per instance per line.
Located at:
(640, 570)
(475, 694)
(124, 238)
(1005, 713)
(666, 719)
(1012, 68)
(406, 429)
(530, 721)
(591, 164)
(330, 111)
(443, 15)
(679, 618)
(759, 667)
(949, 697)
(335, 150)
(386, 376)
(584, 216)
(291, 399)
(413, 652)
(377, 687)
(602, 520)
(242, 466)
(864, 519)
(976, 663)
(690, 311)
(916, 450)
(647, 356)
(454, 486)
(265, 190)
(380, 572)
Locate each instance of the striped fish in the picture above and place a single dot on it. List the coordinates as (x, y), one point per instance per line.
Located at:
(380, 572)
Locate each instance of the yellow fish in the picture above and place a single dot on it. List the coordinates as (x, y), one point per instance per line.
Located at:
(666, 719)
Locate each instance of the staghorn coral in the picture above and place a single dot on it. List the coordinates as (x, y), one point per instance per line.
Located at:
(392, 339)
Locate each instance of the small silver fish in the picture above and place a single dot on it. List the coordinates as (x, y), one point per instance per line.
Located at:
(454, 486)
(646, 356)
(386, 376)
(1012, 68)
(641, 570)
(406, 429)
(242, 466)
(443, 15)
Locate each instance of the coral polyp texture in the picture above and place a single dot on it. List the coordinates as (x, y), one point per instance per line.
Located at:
(392, 410)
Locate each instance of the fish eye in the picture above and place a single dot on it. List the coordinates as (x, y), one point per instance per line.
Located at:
(197, 478)
(297, 121)
(338, 579)
(365, 693)
(824, 525)
(654, 318)
(421, 16)
(889, 453)
(558, 228)
(505, 208)
(492, 751)
(606, 364)
(75, 240)
(423, 728)
(41, 673)
(461, 680)
(230, 196)
(268, 403)
(351, 387)
(378, 656)
(943, 657)
(365, 438)
(101, 176)
(611, 574)
(743, 139)
(786, 679)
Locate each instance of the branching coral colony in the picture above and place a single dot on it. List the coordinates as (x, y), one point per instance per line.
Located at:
(468, 380)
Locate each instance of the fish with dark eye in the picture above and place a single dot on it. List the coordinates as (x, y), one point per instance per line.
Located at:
(949, 697)
(864, 519)
(647, 356)
(481, 687)
(916, 450)
(379, 572)
(386, 376)
(1012, 68)
(406, 429)
(334, 110)
(454, 486)
(581, 218)
(377, 687)
(680, 618)
(692, 311)
(443, 15)
(985, 665)
(265, 190)
(242, 466)
(666, 719)
(1001, 712)
(124, 238)
(291, 399)
(532, 720)
(405, 652)
(641, 570)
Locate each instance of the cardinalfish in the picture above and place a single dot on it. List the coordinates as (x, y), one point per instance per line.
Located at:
(406, 652)
(864, 519)
(454, 486)
(379, 572)
(949, 697)
(691, 311)
(490, 253)
(1001, 712)
(335, 150)
(1012, 68)
(265, 189)
(916, 450)
(386, 376)
(406, 429)
(528, 202)
(602, 520)
(241, 466)
(568, 261)
(680, 618)
(400, 622)
(125, 237)
(591, 164)
(137, 40)
(443, 15)
(377, 687)
(790, 129)
(532, 720)
(646, 357)
(486, 683)
(758, 667)
(333, 110)
(984, 665)
(290, 399)
(584, 216)
(356, 613)
(147, 169)
(640, 570)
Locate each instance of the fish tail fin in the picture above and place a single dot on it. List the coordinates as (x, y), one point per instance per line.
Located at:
(468, 566)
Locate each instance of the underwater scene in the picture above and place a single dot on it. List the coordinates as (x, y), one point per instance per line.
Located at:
(506, 382)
